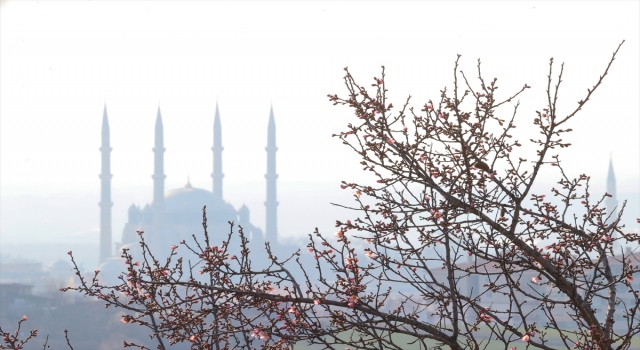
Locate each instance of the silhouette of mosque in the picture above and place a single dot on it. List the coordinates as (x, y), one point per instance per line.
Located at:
(176, 215)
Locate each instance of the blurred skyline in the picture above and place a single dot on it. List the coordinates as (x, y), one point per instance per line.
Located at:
(61, 62)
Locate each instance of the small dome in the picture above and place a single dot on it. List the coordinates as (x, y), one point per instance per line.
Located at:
(147, 214)
(134, 214)
(243, 214)
(60, 265)
(60, 269)
(111, 269)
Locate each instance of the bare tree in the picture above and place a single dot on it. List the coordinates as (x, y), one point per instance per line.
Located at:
(445, 252)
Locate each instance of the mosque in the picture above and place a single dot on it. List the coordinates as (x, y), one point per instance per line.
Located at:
(176, 215)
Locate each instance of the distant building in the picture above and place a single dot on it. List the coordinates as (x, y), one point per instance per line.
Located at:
(17, 299)
(20, 272)
(176, 215)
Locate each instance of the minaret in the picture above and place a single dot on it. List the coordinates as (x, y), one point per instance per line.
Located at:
(158, 180)
(217, 149)
(271, 234)
(105, 191)
(612, 202)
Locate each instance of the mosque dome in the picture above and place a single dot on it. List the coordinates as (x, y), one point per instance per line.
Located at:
(186, 203)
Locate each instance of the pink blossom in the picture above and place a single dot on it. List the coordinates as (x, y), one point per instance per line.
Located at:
(630, 278)
(357, 193)
(339, 234)
(165, 272)
(124, 320)
(343, 186)
(137, 263)
(535, 279)
(264, 335)
(525, 338)
(316, 302)
(292, 310)
(140, 233)
(97, 271)
(193, 338)
(351, 304)
(367, 240)
(256, 332)
(369, 254)
(173, 247)
(469, 253)
(24, 318)
(404, 129)
(310, 250)
(391, 141)
(69, 252)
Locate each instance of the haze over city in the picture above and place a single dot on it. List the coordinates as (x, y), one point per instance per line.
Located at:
(62, 62)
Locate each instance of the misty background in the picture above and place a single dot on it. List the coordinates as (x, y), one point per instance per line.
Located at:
(62, 62)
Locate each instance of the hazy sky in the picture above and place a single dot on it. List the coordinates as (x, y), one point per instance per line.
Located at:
(61, 60)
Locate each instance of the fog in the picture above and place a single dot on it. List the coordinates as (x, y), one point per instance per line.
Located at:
(62, 62)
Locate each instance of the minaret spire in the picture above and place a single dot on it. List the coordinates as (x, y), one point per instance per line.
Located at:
(105, 190)
(612, 202)
(217, 149)
(158, 180)
(271, 203)
(158, 163)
